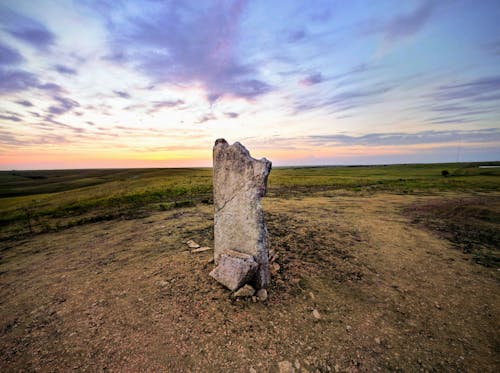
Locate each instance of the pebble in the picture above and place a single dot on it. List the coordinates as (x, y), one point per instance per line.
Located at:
(192, 244)
(316, 314)
(285, 367)
(348, 328)
(377, 340)
(262, 295)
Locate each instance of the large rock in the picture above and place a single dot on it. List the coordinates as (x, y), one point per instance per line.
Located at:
(239, 183)
(235, 269)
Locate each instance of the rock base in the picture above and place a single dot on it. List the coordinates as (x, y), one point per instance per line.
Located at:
(235, 269)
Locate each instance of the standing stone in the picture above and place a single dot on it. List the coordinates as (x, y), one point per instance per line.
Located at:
(240, 181)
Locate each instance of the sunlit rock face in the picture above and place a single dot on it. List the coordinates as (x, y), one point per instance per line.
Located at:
(239, 183)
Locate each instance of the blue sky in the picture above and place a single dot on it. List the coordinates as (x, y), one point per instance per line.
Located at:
(154, 83)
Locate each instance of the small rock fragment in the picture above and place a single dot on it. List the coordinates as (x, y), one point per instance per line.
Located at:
(201, 249)
(316, 314)
(262, 295)
(252, 370)
(192, 244)
(235, 269)
(311, 295)
(348, 328)
(377, 340)
(285, 367)
(245, 291)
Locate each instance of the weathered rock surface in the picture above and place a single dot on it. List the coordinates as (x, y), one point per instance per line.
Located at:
(235, 269)
(240, 181)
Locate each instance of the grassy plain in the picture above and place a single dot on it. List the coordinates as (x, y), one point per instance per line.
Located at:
(401, 263)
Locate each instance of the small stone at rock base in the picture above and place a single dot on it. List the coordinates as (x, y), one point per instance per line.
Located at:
(201, 249)
(192, 244)
(235, 269)
(262, 295)
(316, 314)
(245, 291)
(285, 367)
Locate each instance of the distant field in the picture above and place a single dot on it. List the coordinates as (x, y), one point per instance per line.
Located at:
(37, 201)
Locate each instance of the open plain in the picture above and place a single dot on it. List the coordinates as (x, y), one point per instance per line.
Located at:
(400, 263)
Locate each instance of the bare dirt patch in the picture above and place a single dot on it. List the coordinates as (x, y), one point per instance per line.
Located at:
(126, 295)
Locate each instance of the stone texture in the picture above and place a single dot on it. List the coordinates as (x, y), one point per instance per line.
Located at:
(235, 269)
(262, 295)
(240, 181)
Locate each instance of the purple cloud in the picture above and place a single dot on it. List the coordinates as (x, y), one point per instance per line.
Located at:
(122, 94)
(16, 80)
(312, 79)
(206, 118)
(65, 70)
(232, 115)
(65, 105)
(26, 29)
(10, 117)
(24, 103)
(9, 56)
(198, 46)
(403, 25)
(296, 36)
(401, 138)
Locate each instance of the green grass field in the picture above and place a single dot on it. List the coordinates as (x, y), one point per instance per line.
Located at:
(37, 201)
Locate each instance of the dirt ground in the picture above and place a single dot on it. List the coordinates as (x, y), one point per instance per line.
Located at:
(127, 296)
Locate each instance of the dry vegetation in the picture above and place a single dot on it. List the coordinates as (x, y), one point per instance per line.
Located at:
(400, 262)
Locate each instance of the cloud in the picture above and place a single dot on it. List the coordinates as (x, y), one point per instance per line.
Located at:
(166, 104)
(16, 80)
(24, 103)
(206, 118)
(65, 105)
(477, 89)
(403, 25)
(296, 36)
(199, 46)
(400, 138)
(122, 94)
(231, 115)
(343, 101)
(9, 56)
(65, 70)
(26, 29)
(12, 118)
(312, 79)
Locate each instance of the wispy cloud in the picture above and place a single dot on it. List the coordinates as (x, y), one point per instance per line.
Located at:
(198, 46)
(402, 25)
(312, 79)
(26, 29)
(65, 70)
(122, 94)
(9, 56)
(401, 139)
(64, 105)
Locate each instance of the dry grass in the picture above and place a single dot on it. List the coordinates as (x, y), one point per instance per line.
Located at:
(124, 295)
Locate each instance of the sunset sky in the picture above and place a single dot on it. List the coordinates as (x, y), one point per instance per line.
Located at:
(111, 83)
